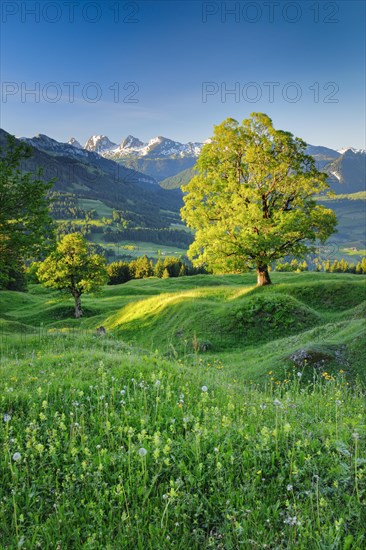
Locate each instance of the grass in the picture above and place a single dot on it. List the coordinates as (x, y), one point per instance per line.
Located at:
(211, 415)
(152, 250)
(104, 447)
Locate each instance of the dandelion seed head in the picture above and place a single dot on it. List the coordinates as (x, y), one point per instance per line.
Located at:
(204, 389)
(17, 457)
(7, 417)
(142, 452)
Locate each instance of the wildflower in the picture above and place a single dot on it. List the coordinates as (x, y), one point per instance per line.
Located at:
(216, 450)
(277, 402)
(7, 417)
(291, 520)
(165, 496)
(204, 388)
(157, 383)
(122, 392)
(262, 406)
(142, 452)
(289, 487)
(299, 374)
(16, 457)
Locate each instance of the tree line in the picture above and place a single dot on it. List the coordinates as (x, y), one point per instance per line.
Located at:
(328, 266)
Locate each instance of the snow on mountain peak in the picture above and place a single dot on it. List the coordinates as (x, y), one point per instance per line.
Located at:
(352, 149)
(131, 142)
(99, 144)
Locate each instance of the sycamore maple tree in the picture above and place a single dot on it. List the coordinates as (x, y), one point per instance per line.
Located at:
(73, 269)
(253, 199)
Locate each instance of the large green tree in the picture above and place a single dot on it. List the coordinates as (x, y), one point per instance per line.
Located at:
(253, 198)
(71, 267)
(25, 223)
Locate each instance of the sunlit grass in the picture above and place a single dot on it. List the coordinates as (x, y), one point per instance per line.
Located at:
(106, 447)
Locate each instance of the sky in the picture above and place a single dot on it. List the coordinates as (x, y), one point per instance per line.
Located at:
(176, 68)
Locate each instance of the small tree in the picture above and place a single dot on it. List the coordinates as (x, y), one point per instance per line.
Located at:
(72, 268)
(253, 199)
(118, 273)
(159, 268)
(142, 267)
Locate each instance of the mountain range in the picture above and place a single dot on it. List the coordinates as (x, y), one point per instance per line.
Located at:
(142, 181)
(170, 162)
(160, 157)
(89, 176)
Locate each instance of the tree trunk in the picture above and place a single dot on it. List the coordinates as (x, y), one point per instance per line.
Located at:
(78, 310)
(263, 277)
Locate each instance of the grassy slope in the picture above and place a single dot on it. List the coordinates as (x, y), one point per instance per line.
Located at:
(226, 318)
(279, 465)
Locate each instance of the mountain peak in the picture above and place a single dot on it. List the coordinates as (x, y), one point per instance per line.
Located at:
(99, 143)
(74, 142)
(131, 142)
(350, 150)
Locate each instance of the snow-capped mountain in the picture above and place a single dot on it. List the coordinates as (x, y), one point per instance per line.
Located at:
(73, 151)
(345, 149)
(74, 142)
(157, 147)
(99, 144)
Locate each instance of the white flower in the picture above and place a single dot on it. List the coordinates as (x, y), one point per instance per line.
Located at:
(289, 487)
(122, 392)
(7, 417)
(291, 520)
(299, 374)
(16, 457)
(165, 496)
(262, 406)
(216, 450)
(277, 402)
(204, 388)
(142, 452)
(157, 383)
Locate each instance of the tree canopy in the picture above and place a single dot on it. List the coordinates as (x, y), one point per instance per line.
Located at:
(253, 198)
(71, 267)
(26, 227)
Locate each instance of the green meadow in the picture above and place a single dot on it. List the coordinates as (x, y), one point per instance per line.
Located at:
(212, 414)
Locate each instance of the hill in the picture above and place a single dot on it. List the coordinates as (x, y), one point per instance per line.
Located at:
(113, 445)
(90, 176)
(317, 314)
(178, 180)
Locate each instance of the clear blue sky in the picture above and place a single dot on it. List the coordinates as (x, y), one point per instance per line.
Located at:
(170, 50)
